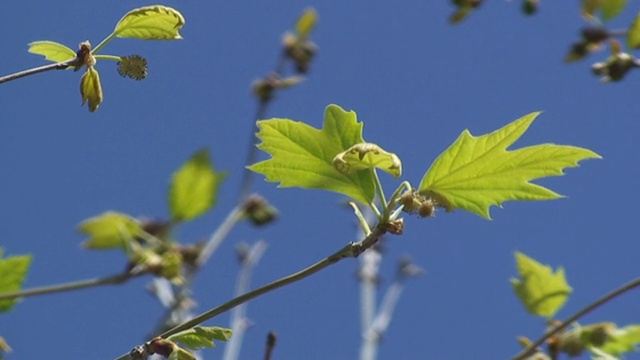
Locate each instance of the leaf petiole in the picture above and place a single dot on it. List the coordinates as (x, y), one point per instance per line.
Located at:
(108, 57)
(363, 222)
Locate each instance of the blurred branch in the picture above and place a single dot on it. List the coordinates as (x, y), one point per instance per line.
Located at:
(271, 344)
(350, 251)
(76, 285)
(249, 258)
(531, 349)
(179, 297)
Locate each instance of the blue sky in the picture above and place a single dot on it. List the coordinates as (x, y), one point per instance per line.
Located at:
(415, 82)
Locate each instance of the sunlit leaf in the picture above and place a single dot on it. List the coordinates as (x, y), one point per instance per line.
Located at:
(611, 8)
(541, 291)
(302, 156)
(151, 23)
(306, 23)
(633, 33)
(110, 230)
(13, 270)
(201, 336)
(475, 173)
(91, 88)
(367, 156)
(52, 51)
(194, 187)
(623, 340)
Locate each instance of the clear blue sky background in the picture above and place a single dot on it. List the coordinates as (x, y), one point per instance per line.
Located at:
(414, 80)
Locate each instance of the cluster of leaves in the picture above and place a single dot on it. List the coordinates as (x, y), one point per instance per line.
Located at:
(473, 174)
(196, 338)
(148, 244)
(544, 292)
(299, 50)
(155, 22)
(597, 13)
(13, 270)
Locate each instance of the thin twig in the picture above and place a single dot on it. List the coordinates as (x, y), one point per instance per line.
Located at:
(76, 285)
(56, 66)
(531, 349)
(349, 251)
(271, 344)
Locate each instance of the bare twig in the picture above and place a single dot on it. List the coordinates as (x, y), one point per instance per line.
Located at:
(76, 285)
(271, 344)
(56, 66)
(349, 251)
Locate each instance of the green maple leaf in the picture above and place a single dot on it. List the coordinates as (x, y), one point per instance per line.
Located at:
(541, 291)
(477, 172)
(622, 340)
(302, 156)
(13, 270)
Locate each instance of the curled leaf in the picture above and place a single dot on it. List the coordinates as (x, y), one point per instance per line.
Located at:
(367, 156)
(150, 23)
(52, 51)
(91, 89)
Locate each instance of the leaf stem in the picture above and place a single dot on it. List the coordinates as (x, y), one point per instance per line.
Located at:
(351, 250)
(381, 197)
(56, 66)
(76, 285)
(103, 43)
(529, 350)
(108, 57)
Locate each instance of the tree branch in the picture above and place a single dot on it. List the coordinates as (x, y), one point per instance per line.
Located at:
(56, 66)
(349, 251)
(76, 285)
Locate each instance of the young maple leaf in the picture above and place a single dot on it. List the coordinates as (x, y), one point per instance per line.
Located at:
(477, 172)
(302, 156)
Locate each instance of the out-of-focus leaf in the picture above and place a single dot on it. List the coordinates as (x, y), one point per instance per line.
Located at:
(302, 156)
(633, 33)
(151, 23)
(13, 270)
(201, 336)
(52, 51)
(367, 156)
(622, 340)
(541, 291)
(110, 230)
(306, 23)
(194, 187)
(611, 8)
(590, 7)
(475, 173)
(181, 354)
(91, 89)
